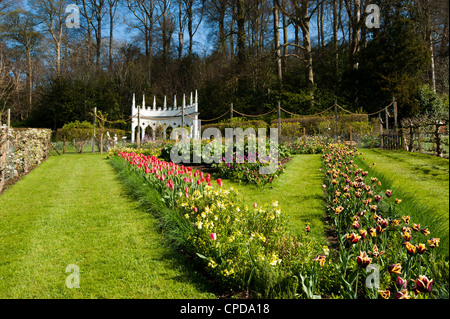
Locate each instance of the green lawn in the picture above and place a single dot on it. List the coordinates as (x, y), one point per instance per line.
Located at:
(298, 191)
(421, 180)
(73, 209)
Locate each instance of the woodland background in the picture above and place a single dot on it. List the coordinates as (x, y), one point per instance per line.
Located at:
(254, 53)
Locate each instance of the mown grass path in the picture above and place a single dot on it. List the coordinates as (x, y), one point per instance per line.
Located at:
(298, 191)
(424, 176)
(73, 209)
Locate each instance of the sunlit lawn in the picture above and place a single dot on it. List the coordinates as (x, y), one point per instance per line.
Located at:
(74, 210)
(298, 191)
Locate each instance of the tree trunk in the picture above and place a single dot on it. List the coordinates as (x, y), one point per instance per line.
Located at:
(99, 42)
(89, 32)
(307, 45)
(335, 40)
(355, 36)
(181, 32)
(276, 23)
(190, 15)
(304, 25)
(285, 41)
(240, 20)
(222, 38)
(29, 79)
(111, 34)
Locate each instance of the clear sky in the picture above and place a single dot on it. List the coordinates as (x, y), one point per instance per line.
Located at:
(202, 42)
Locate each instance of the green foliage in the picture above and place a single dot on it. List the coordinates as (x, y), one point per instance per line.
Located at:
(430, 102)
(392, 64)
(77, 132)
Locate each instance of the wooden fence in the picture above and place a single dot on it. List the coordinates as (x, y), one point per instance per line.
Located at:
(426, 136)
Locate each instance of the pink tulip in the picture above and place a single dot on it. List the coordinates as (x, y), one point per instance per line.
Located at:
(213, 236)
(219, 181)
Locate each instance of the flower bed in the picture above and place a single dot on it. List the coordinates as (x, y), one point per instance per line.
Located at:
(307, 145)
(242, 248)
(378, 252)
(374, 240)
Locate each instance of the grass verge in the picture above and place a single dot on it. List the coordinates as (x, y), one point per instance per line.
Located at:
(74, 210)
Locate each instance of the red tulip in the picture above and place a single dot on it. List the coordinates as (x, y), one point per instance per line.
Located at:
(219, 181)
(363, 260)
(353, 238)
(423, 284)
(402, 295)
(401, 283)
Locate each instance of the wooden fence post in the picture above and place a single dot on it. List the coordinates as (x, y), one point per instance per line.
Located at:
(405, 144)
(351, 137)
(419, 138)
(279, 119)
(101, 142)
(395, 112)
(336, 120)
(411, 137)
(387, 120)
(381, 131)
(93, 133)
(138, 139)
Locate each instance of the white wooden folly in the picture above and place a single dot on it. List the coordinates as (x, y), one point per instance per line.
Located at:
(174, 116)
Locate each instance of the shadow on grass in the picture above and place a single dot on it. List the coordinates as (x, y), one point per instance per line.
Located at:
(188, 267)
(412, 205)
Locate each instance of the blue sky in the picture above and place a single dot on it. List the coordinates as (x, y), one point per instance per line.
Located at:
(202, 42)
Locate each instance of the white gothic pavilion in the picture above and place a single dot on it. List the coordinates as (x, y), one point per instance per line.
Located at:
(165, 117)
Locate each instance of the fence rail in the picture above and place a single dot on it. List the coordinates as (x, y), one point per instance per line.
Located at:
(429, 137)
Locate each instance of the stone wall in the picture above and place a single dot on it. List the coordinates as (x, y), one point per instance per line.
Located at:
(21, 150)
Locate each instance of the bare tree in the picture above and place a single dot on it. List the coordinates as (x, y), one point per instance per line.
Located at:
(94, 12)
(51, 13)
(167, 27)
(20, 28)
(276, 26)
(6, 79)
(112, 8)
(299, 13)
(216, 13)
